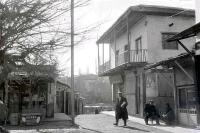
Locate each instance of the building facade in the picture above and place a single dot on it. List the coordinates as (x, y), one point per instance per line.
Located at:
(136, 39)
(186, 75)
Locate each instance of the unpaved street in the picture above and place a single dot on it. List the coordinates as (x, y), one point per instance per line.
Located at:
(91, 123)
(102, 123)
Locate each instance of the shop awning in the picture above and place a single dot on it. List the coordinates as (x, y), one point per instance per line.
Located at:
(190, 32)
(167, 61)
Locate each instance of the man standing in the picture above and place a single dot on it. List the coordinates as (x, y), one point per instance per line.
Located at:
(151, 112)
(120, 109)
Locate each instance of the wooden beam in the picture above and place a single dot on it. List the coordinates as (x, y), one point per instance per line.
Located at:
(175, 99)
(184, 71)
(186, 49)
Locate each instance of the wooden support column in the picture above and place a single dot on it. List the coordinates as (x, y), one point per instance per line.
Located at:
(128, 38)
(144, 90)
(175, 98)
(115, 46)
(65, 100)
(197, 84)
(110, 54)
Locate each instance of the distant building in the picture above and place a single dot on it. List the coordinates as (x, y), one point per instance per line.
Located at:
(62, 97)
(93, 88)
(136, 39)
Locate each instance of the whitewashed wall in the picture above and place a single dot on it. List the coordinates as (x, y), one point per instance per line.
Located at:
(156, 26)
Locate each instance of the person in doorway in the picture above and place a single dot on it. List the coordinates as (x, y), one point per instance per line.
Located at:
(168, 117)
(151, 112)
(120, 109)
(3, 112)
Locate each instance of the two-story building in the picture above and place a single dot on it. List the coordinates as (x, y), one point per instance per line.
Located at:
(136, 39)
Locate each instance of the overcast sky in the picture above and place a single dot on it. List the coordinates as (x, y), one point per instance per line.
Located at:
(105, 12)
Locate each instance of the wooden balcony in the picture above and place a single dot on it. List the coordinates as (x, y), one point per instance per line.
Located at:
(105, 67)
(132, 57)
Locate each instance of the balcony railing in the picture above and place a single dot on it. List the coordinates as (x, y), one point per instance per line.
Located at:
(132, 56)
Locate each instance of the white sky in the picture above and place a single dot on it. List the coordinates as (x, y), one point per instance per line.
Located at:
(105, 12)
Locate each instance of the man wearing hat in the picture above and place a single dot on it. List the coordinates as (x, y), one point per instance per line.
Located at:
(150, 111)
(120, 109)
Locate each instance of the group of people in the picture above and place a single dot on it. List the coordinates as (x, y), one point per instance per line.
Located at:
(150, 112)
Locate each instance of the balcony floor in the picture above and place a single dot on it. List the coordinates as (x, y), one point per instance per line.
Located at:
(121, 68)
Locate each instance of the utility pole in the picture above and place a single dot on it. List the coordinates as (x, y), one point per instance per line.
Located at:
(72, 60)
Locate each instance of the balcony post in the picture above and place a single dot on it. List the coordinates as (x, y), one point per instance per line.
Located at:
(103, 56)
(110, 54)
(128, 39)
(98, 56)
(115, 46)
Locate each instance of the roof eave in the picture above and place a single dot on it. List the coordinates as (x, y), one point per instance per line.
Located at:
(148, 10)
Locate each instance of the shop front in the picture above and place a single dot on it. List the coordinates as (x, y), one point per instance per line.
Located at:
(187, 105)
(185, 90)
(27, 100)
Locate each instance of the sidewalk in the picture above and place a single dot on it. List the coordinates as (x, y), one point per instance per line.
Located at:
(173, 129)
(58, 117)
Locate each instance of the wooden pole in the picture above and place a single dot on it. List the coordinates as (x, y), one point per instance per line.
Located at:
(72, 60)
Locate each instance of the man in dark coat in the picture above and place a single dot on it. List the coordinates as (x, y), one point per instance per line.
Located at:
(120, 109)
(151, 112)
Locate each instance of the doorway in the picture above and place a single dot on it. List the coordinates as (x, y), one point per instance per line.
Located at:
(137, 99)
(187, 105)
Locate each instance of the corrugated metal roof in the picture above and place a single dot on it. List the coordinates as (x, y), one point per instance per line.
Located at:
(164, 62)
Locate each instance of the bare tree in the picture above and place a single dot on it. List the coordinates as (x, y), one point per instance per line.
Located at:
(31, 29)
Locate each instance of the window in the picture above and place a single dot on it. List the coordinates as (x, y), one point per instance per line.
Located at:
(187, 98)
(138, 44)
(169, 45)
